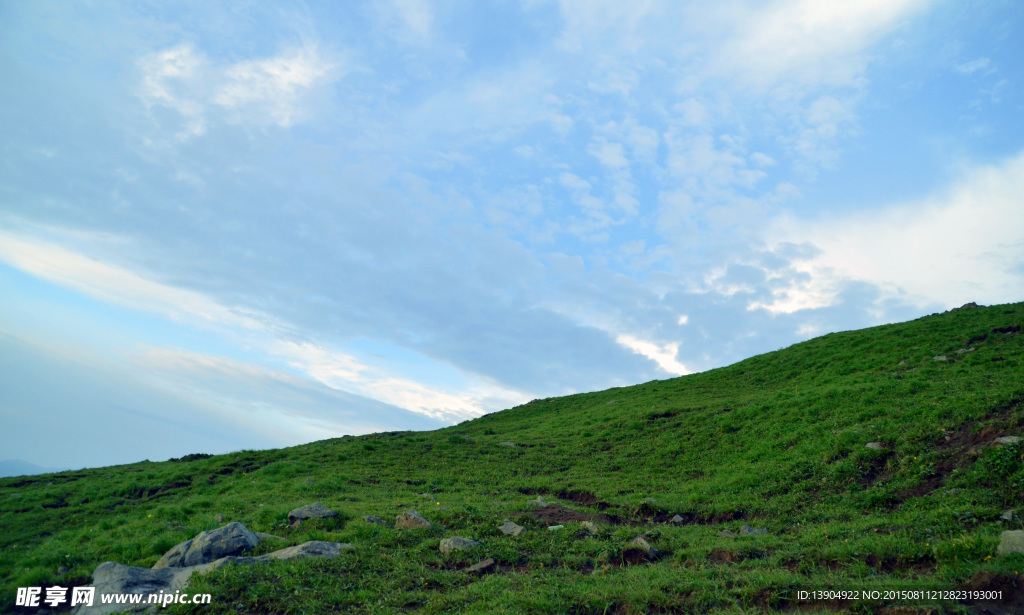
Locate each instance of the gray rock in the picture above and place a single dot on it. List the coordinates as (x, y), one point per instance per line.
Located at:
(940, 357)
(508, 444)
(876, 446)
(903, 362)
(555, 528)
(1006, 440)
(746, 530)
(312, 511)
(411, 520)
(313, 548)
(113, 578)
(264, 536)
(510, 529)
(1007, 515)
(644, 546)
(425, 496)
(219, 518)
(726, 534)
(677, 520)
(457, 543)
(1011, 541)
(372, 519)
(538, 503)
(964, 350)
(481, 566)
(590, 526)
(63, 570)
(232, 539)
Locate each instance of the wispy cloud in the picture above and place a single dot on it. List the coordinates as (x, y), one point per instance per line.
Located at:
(119, 285)
(266, 91)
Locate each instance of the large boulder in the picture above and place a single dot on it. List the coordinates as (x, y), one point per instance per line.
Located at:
(232, 539)
(113, 578)
(411, 520)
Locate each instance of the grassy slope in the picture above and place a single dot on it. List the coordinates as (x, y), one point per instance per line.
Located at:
(776, 441)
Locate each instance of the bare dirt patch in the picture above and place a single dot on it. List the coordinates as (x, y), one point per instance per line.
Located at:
(555, 514)
(725, 556)
(986, 580)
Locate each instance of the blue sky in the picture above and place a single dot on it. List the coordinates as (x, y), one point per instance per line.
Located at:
(243, 225)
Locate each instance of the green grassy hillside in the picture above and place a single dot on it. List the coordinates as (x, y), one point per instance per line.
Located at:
(776, 442)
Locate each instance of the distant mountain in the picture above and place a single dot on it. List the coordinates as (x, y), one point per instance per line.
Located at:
(17, 467)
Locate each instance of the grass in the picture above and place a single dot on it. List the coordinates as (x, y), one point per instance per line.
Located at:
(776, 441)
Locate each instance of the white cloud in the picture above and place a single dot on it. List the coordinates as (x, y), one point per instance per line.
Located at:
(664, 354)
(268, 91)
(968, 68)
(964, 244)
(803, 43)
(264, 91)
(343, 372)
(173, 78)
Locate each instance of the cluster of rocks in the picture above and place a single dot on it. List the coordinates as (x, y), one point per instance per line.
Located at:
(210, 550)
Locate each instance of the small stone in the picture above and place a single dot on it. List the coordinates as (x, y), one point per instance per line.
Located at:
(219, 518)
(311, 511)
(644, 546)
(614, 401)
(1007, 516)
(726, 534)
(510, 529)
(940, 357)
(372, 519)
(964, 350)
(590, 526)
(677, 520)
(538, 503)
(426, 496)
(508, 444)
(875, 446)
(457, 543)
(309, 481)
(1011, 541)
(903, 362)
(481, 566)
(1006, 441)
(555, 528)
(411, 520)
(63, 570)
(746, 530)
